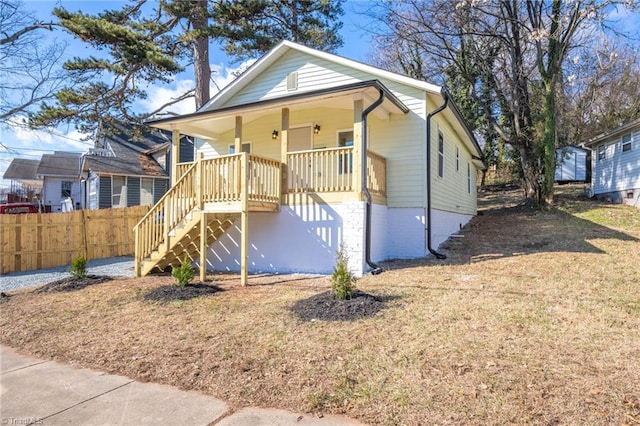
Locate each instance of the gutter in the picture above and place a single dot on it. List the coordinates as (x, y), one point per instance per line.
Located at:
(375, 269)
(445, 95)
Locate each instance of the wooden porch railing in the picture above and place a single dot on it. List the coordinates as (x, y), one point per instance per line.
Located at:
(376, 174)
(331, 170)
(211, 180)
(181, 169)
(325, 170)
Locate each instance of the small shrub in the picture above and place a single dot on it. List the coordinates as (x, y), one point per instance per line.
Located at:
(78, 267)
(183, 273)
(342, 280)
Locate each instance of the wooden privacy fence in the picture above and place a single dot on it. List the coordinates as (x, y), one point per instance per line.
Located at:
(35, 241)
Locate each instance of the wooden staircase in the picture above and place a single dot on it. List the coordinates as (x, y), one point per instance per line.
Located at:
(185, 240)
(202, 204)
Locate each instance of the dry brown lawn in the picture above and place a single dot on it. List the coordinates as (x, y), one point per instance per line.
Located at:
(534, 318)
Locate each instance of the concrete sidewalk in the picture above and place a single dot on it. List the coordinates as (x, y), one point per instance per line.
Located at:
(40, 392)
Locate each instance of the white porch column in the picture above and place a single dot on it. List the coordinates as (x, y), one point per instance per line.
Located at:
(175, 154)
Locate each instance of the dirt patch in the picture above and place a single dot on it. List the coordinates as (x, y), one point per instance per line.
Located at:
(72, 284)
(326, 307)
(169, 293)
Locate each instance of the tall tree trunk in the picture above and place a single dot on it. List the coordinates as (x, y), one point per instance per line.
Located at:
(531, 184)
(549, 142)
(202, 68)
(550, 75)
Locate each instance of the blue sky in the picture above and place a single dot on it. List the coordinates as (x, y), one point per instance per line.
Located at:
(32, 144)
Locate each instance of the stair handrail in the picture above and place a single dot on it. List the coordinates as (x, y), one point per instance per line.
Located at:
(153, 212)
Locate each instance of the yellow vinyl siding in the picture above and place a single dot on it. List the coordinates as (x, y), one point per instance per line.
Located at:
(401, 138)
(450, 193)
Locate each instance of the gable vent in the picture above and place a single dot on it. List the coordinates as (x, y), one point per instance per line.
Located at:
(292, 81)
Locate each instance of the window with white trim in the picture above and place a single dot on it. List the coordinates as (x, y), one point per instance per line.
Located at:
(440, 154)
(246, 147)
(468, 178)
(146, 191)
(602, 152)
(345, 161)
(66, 188)
(119, 191)
(626, 143)
(457, 159)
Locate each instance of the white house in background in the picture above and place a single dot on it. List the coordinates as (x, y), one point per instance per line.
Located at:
(60, 174)
(572, 164)
(306, 151)
(615, 164)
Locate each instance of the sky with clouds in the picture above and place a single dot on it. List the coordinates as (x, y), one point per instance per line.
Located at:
(26, 143)
(32, 144)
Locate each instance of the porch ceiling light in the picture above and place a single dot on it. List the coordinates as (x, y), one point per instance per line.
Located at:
(316, 129)
(274, 134)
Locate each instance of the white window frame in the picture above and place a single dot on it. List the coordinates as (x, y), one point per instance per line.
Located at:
(627, 143)
(468, 178)
(143, 191)
(441, 154)
(602, 152)
(345, 163)
(64, 183)
(232, 147)
(122, 193)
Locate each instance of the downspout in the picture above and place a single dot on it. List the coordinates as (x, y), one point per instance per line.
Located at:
(375, 269)
(445, 95)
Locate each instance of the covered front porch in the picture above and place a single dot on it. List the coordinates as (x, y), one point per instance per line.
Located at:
(263, 155)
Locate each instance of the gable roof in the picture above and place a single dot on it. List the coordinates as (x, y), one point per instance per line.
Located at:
(267, 60)
(618, 131)
(219, 110)
(285, 46)
(370, 88)
(22, 169)
(130, 152)
(60, 164)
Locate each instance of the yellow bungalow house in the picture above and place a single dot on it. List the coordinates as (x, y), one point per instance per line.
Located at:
(306, 151)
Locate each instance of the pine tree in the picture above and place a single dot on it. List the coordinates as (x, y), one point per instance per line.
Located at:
(147, 43)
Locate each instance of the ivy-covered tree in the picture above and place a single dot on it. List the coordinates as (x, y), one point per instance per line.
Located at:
(519, 48)
(148, 42)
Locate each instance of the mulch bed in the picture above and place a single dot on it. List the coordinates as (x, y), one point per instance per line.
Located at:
(169, 293)
(72, 283)
(326, 307)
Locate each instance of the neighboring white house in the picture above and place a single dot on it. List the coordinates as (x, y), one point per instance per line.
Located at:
(316, 116)
(571, 164)
(61, 186)
(616, 164)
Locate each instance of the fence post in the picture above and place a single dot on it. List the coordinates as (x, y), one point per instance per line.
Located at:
(84, 235)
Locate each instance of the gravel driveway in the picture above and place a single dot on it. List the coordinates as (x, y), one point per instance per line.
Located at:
(113, 267)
